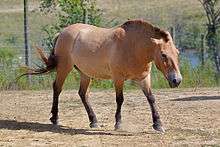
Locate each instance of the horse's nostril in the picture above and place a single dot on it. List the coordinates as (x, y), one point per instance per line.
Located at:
(174, 81)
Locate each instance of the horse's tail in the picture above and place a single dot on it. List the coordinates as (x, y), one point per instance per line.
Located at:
(50, 62)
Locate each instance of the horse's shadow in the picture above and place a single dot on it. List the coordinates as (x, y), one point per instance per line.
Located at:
(197, 98)
(40, 127)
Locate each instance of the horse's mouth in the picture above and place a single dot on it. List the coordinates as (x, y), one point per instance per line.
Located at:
(172, 85)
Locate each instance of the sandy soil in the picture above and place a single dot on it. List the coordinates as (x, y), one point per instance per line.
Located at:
(191, 118)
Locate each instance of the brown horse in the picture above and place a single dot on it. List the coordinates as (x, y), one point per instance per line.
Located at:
(121, 53)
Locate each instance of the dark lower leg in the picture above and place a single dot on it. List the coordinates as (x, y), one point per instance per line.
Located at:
(119, 101)
(157, 125)
(155, 114)
(145, 85)
(84, 85)
(89, 110)
(54, 109)
(62, 72)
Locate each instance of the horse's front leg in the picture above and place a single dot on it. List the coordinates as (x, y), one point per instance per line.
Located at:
(145, 85)
(119, 100)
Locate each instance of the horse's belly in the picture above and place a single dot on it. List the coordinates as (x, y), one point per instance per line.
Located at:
(93, 68)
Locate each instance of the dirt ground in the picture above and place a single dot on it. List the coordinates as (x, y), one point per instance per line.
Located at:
(191, 118)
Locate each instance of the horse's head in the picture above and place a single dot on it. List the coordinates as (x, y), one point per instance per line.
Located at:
(166, 59)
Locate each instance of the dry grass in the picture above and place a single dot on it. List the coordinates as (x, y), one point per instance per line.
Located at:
(11, 24)
(164, 13)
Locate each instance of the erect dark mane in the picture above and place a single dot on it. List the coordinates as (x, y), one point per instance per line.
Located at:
(141, 23)
(162, 33)
(138, 23)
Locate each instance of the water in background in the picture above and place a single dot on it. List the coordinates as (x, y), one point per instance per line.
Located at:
(192, 56)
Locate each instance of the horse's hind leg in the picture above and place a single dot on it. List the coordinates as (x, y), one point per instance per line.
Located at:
(84, 95)
(62, 73)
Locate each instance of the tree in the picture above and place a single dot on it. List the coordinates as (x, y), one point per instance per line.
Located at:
(69, 12)
(212, 11)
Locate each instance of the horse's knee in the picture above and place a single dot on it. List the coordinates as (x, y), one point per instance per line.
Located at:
(56, 88)
(151, 98)
(81, 93)
(120, 99)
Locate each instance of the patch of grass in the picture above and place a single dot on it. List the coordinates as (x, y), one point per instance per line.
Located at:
(166, 13)
(202, 76)
(12, 31)
(12, 4)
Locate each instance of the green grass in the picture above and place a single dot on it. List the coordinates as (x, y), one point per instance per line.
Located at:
(166, 13)
(11, 4)
(201, 76)
(11, 25)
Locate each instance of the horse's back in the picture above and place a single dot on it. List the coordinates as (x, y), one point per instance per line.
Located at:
(99, 52)
(91, 50)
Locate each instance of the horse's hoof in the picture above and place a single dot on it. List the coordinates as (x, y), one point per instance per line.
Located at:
(117, 126)
(93, 125)
(54, 121)
(158, 128)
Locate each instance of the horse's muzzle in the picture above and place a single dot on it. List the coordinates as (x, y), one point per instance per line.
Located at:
(174, 79)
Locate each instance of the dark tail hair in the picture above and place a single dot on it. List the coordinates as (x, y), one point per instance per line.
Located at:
(50, 62)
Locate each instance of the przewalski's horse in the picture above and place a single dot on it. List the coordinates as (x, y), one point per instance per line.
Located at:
(121, 53)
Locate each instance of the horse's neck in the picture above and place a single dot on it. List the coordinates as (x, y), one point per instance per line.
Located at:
(141, 46)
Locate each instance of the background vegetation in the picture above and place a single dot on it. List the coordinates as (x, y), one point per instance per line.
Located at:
(185, 16)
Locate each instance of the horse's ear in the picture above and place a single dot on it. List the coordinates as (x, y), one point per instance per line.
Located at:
(157, 41)
(178, 52)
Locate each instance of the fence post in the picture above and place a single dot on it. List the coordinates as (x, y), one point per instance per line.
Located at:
(26, 43)
(202, 49)
(173, 34)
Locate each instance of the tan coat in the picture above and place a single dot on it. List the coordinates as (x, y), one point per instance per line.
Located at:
(107, 53)
(120, 53)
